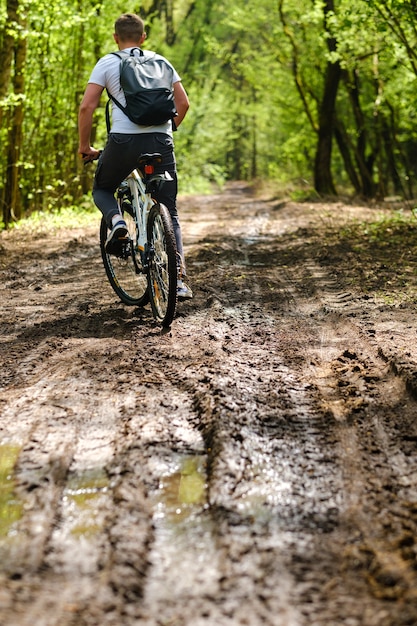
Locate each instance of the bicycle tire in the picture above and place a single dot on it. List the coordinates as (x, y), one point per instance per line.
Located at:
(125, 273)
(162, 276)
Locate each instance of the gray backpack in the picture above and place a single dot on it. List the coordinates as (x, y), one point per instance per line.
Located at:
(146, 81)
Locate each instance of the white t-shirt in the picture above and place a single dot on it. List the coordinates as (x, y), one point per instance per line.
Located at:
(106, 74)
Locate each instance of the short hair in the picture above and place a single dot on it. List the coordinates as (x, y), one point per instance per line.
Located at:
(129, 27)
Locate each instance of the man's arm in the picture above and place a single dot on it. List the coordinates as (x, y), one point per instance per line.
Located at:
(181, 102)
(89, 103)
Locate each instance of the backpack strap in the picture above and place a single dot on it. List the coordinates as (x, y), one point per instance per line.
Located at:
(112, 98)
(117, 103)
(108, 125)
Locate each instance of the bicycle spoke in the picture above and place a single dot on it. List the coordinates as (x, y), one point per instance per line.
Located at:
(124, 269)
(162, 265)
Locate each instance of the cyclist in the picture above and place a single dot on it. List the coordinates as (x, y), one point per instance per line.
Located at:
(126, 140)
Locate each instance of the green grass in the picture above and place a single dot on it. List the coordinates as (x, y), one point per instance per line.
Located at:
(394, 229)
(378, 257)
(86, 214)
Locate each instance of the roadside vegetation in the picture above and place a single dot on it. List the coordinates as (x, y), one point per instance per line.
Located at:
(377, 257)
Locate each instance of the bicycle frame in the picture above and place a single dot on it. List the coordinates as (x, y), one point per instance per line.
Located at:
(141, 202)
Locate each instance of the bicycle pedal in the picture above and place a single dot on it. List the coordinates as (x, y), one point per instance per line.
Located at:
(118, 247)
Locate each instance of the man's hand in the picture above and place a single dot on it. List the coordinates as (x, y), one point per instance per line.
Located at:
(89, 154)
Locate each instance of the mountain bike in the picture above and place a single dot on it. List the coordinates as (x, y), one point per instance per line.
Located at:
(144, 269)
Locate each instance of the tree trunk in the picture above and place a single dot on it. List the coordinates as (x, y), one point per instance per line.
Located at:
(6, 62)
(6, 51)
(323, 181)
(169, 14)
(345, 149)
(364, 163)
(12, 202)
(391, 172)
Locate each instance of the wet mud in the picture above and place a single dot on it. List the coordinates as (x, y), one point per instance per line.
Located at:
(254, 466)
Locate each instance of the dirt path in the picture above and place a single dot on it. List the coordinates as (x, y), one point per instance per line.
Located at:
(257, 465)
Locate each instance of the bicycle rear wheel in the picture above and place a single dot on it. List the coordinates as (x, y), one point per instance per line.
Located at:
(125, 272)
(162, 277)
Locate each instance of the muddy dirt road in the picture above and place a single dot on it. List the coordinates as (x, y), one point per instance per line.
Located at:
(256, 465)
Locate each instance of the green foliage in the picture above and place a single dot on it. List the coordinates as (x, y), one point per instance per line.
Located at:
(79, 215)
(255, 72)
(395, 229)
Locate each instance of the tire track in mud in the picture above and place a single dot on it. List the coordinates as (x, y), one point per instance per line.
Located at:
(334, 423)
(255, 466)
(267, 448)
(63, 533)
(225, 412)
(367, 394)
(60, 485)
(101, 448)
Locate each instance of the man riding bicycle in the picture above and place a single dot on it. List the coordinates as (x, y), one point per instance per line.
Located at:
(127, 140)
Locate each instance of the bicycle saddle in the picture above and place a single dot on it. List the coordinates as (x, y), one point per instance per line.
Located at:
(150, 158)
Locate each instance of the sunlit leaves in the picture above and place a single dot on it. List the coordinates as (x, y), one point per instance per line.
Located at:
(255, 73)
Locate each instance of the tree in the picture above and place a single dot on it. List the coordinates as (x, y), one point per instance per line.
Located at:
(325, 95)
(14, 52)
(323, 181)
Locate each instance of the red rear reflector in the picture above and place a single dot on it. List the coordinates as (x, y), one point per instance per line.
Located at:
(148, 169)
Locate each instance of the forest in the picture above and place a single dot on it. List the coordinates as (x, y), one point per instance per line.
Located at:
(316, 96)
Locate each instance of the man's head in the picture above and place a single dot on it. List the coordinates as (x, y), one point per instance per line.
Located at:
(129, 28)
